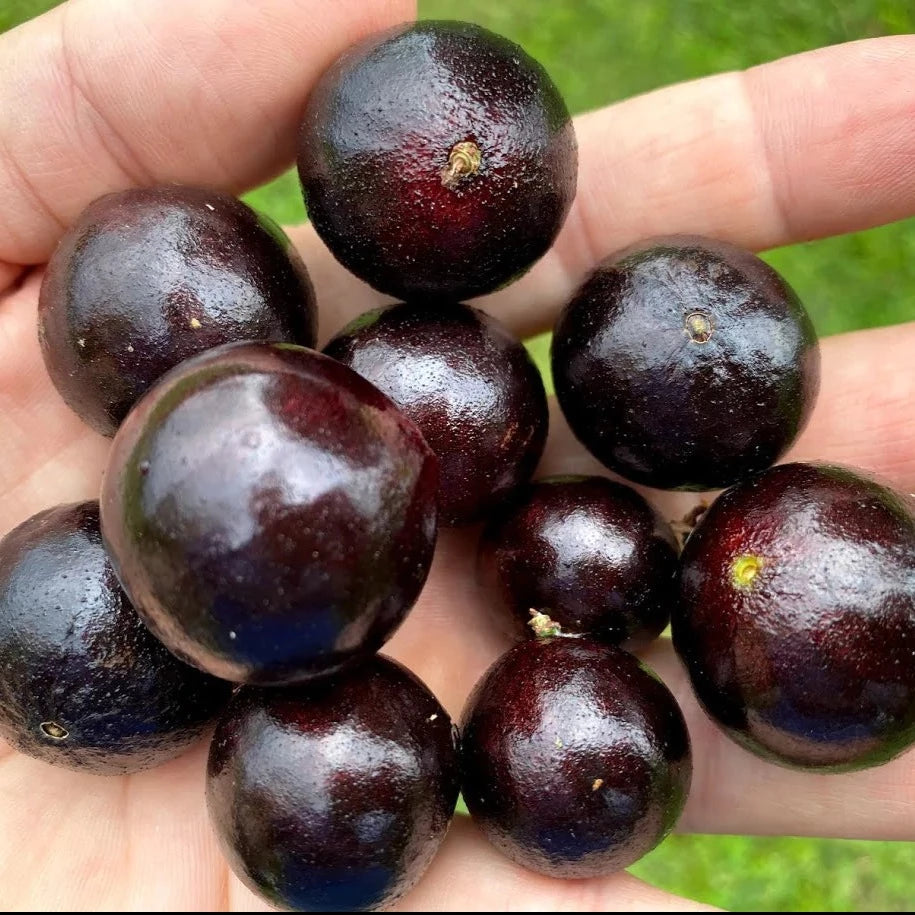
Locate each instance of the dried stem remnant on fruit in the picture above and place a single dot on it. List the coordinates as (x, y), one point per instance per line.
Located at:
(53, 730)
(699, 327)
(463, 162)
(745, 569)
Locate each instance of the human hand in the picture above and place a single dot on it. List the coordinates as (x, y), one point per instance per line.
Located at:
(101, 94)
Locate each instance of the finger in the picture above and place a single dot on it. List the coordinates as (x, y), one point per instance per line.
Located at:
(469, 875)
(76, 842)
(862, 416)
(736, 793)
(813, 145)
(101, 94)
(47, 454)
(817, 144)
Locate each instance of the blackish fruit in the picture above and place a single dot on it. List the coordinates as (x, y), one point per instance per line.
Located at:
(469, 386)
(437, 160)
(797, 617)
(590, 553)
(686, 363)
(576, 760)
(147, 277)
(83, 684)
(269, 512)
(334, 796)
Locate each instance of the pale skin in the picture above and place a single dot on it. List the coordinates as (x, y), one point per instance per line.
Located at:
(102, 94)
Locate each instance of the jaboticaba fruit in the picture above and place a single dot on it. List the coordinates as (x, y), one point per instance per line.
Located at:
(147, 277)
(270, 513)
(796, 618)
(438, 160)
(83, 683)
(686, 363)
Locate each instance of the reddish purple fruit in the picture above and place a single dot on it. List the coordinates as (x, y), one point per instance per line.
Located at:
(796, 618)
(147, 277)
(470, 387)
(589, 553)
(270, 513)
(334, 796)
(576, 759)
(83, 683)
(686, 363)
(438, 160)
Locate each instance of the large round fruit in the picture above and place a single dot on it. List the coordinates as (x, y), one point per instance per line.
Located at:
(437, 160)
(334, 796)
(686, 363)
(796, 618)
(576, 759)
(270, 513)
(147, 277)
(470, 387)
(83, 683)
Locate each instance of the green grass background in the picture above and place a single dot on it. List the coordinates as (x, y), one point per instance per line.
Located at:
(599, 51)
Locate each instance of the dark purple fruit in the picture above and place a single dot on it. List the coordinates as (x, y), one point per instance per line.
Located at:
(437, 160)
(270, 513)
(470, 387)
(686, 363)
(334, 796)
(147, 277)
(83, 684)
(796, 619)
(589, 553)
(576, 759)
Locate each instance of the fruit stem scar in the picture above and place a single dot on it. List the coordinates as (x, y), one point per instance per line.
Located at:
(699, 327)
(53, 730)
(745, 569)
(543, 626)
(463, 162)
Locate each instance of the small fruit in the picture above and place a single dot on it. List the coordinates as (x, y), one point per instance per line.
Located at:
(147, 277)
(796, 618)
(334, 796)
(83, 684)
(438, 160)
(270, 513)
(576, 759)
(589, 553)
(469, 386)
(686, 363)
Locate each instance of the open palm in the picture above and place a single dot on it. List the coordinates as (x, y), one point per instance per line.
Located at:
(100, 94)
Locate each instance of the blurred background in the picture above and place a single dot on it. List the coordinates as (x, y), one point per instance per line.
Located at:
(599, 51)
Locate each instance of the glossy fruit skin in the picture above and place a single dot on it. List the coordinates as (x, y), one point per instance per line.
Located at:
(75, 656)
(590, 553)
(378, 132)
(576, 759)
(797, 617)
(271, 514)
(334, 796)
(148, 277)
(468, 384)
(686, 363)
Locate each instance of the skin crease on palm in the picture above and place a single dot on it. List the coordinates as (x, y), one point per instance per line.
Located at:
(209, 92)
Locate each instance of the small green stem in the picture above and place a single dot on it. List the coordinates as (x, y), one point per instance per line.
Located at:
(543, 626)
